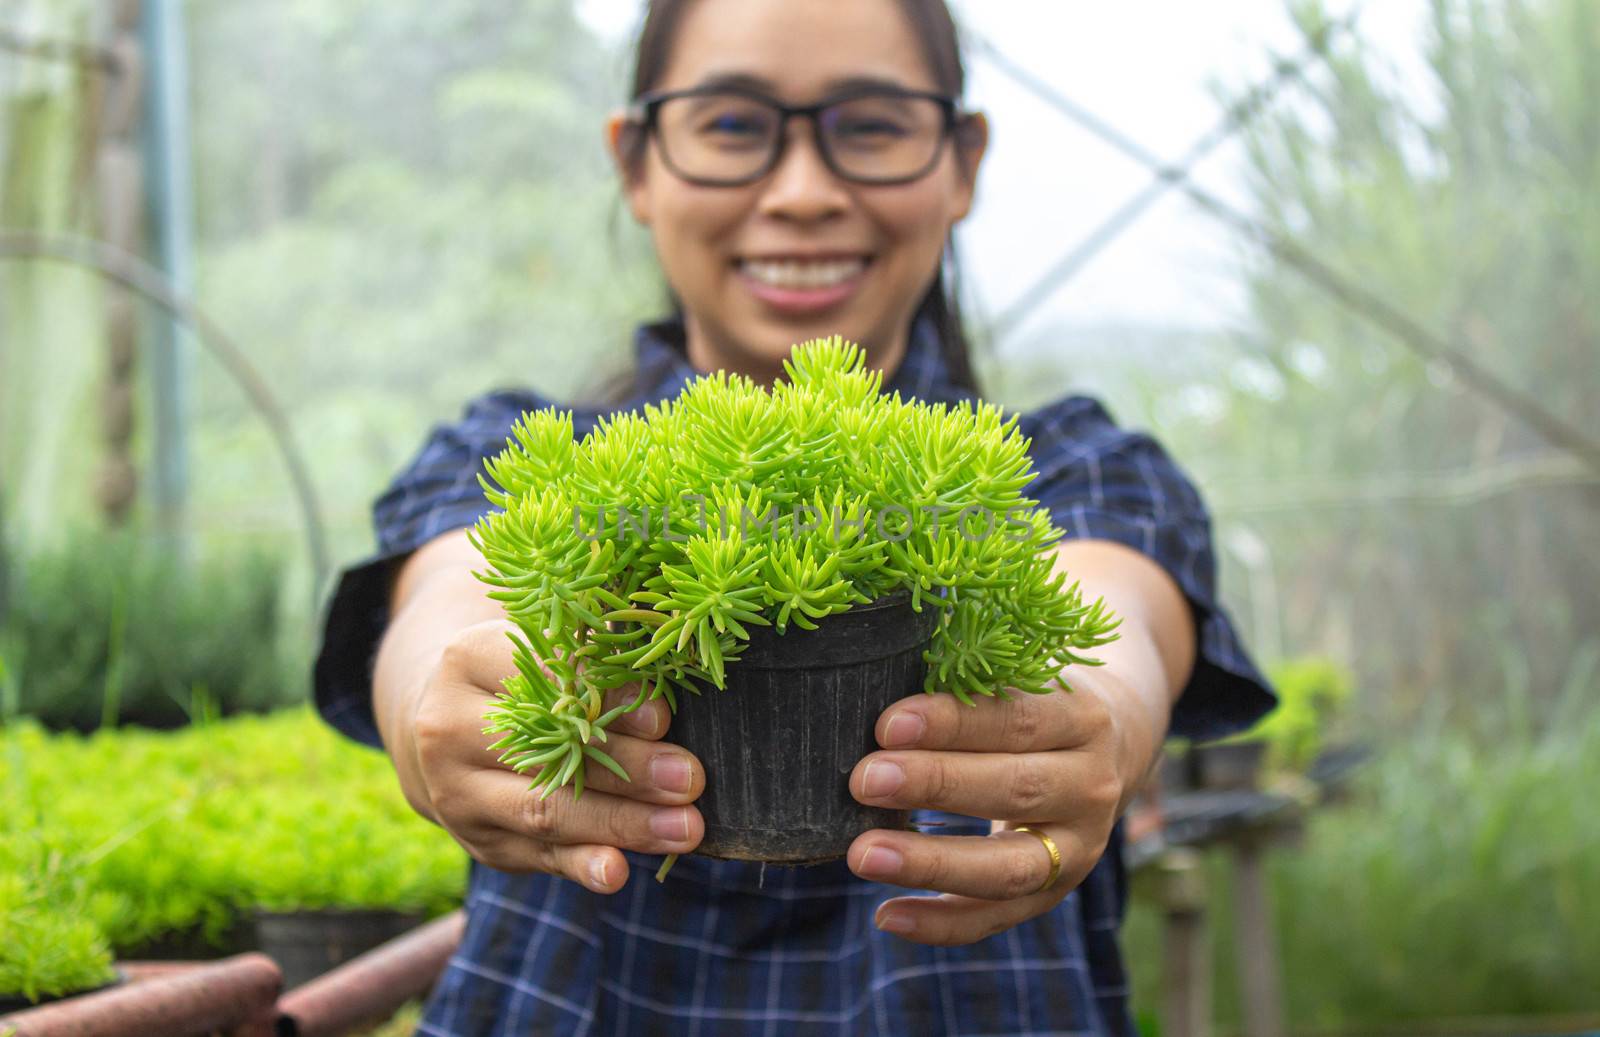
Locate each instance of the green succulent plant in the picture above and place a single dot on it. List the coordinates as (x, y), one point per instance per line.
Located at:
(221, 821)
(1312, 690)
(52, 946)
(647, 551)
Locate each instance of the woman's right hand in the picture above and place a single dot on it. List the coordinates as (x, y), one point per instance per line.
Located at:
(449, 774)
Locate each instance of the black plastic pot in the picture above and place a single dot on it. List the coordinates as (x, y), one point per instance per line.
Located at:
(1175, 772)
(1228, 766)
(12, 1003)
(193, 945)
(305, 944)
(778, 745)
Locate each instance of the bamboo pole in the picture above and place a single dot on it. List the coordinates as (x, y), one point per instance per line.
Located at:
(119, 185)
(1186, 945)
(1260, 984)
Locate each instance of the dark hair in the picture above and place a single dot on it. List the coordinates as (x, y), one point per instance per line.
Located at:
(936, 31)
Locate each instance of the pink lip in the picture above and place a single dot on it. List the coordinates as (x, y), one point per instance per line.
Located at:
(802, 300)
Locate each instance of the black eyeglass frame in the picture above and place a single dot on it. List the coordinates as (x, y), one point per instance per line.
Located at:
(644, 110)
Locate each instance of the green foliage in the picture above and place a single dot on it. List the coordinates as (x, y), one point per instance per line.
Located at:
(48, 322)
(1311, 691)
(1457, 882)
(403, 1023)
(276, 812)
(1418, 530)
(52, 945)
(107, 627)
(1419, 533)
(423, 186)
(646, 552)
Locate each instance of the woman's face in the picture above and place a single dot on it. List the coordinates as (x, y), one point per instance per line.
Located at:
(707, 238)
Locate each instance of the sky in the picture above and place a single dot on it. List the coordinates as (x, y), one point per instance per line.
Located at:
(1147, 67)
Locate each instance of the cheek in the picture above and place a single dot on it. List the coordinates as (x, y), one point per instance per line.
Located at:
(914, 221)
(696, 216)
(699, 239)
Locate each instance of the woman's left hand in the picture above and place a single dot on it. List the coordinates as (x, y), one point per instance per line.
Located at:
(1064, 763)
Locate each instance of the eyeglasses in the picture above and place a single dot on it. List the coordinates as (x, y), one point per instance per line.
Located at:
(726, 136)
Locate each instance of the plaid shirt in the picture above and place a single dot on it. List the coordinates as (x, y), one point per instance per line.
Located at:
(732, 947)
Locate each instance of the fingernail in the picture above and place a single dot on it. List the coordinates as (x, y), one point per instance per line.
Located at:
(880, 862)
(671, 825)
(646, 721)
(897, 923)
(882, 778)
(597, 873)
(904, 729)
(671, 772)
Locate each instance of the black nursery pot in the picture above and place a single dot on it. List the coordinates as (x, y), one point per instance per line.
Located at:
(1228, 766)
(306, 944)
(778, 745)
(192, 944)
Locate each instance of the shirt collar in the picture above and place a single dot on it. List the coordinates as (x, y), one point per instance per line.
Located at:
(663, 368)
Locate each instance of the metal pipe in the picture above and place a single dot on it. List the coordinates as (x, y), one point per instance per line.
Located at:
(134, 273)
(139, 971)
(369, 988)
(219, 996)
(169, 203)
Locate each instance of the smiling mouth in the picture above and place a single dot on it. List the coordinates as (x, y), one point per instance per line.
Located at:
(803, 274)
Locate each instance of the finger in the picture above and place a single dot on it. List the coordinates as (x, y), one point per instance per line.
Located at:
(1003, 866)
(480, 656)
(649, 721)
(950, 921)
(658, 772)
(479, 803)
(450, 733)
(1025, 723)
(483, 655)
(602, 869)
(1058, 785)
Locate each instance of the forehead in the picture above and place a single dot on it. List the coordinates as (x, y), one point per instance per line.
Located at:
(803, 48)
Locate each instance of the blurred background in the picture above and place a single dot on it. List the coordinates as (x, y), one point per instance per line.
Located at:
(1342, 259)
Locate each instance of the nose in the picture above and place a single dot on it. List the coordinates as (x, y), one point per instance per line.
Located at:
(802, 187)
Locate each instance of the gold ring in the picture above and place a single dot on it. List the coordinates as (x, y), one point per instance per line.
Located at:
(1055, 856)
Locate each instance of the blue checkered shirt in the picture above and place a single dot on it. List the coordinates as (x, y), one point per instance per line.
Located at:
(728, 947)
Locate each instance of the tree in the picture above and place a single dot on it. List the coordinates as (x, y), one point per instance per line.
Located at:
(1451, 546)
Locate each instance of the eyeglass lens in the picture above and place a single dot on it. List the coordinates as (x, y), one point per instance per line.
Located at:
(732, 137)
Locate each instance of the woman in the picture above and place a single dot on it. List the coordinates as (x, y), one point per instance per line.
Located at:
(800, 167)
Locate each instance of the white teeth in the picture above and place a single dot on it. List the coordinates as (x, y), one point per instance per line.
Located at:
(792, 274)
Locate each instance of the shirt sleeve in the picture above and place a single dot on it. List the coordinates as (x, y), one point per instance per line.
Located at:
(1102, 482)
(436, 493)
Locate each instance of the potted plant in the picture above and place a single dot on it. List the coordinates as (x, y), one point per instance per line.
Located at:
(231, 827)
(778, 565)
(1231, 764)
(327, 881)
(1311, 691)
(324, 858)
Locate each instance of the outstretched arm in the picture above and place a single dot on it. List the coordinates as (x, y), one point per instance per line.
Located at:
(1065, 764)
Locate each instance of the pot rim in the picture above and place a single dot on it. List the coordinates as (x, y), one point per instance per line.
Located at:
(878, 626)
